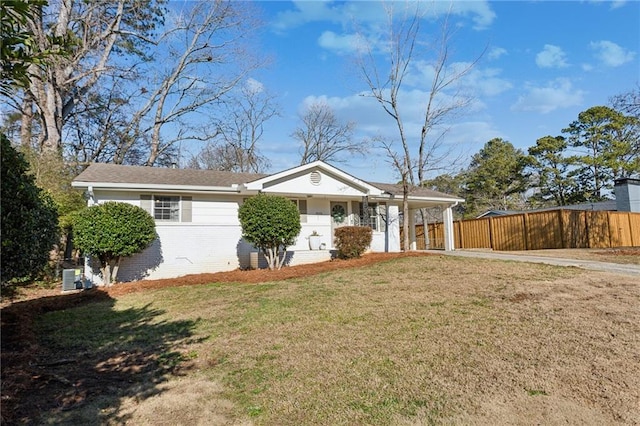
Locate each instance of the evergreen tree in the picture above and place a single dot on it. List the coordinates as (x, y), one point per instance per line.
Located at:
(551, 172)
(496, 178)
(608, 146)
(29, 219)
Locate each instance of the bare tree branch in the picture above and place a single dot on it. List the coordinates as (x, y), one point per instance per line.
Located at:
(236, 148)
(324, 137)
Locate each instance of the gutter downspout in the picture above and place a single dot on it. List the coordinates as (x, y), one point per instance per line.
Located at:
(92, 197)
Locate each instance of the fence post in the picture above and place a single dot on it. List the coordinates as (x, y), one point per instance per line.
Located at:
(562, 230)
(525, 224)
(609, 228)
(634, 235)
(586, 228)
(491, 233)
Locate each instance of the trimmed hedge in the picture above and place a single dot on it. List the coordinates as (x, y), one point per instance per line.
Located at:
(352, 241)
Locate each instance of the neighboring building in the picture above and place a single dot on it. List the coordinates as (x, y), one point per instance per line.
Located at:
(628, 194)
(608, 205)
(196, 213)
(627, 199)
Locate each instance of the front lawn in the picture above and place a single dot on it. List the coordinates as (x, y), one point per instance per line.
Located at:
(428, 340)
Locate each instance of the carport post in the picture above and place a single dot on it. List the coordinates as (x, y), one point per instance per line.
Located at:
(413, 244)
(447, 216)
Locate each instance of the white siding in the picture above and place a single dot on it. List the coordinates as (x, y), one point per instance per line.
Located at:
(121, 196)
(222, 210)
(388, 241)
(212, 242)
(187, 249)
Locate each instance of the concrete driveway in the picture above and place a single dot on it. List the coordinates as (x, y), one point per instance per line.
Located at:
(585, 264)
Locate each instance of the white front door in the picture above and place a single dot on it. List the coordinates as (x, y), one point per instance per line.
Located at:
(339, 216)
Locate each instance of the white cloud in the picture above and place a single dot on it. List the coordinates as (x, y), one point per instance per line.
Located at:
(305, 12)
(371, 13)
(615, 4)
(254, 85)
(487, 82)
(551, 57)
(340, 44)
(474, 132)
(558, 94)
(610, 54)
(496, 53)
(483, 16)
(476, 82)
(370, 117)
(459, 137)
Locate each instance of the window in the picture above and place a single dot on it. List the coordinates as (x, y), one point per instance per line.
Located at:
(167, 208)
(369, 218)
(302, 208)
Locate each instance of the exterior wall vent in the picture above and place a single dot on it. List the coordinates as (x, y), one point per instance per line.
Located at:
(315, 178)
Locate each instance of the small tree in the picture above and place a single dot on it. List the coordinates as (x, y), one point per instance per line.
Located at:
(111, 231)
(270, 223)
(29, 218)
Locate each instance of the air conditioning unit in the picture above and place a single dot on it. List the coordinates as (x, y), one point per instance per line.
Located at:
(71, 279)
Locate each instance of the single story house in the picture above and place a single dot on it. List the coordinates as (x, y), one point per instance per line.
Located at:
(196, 213)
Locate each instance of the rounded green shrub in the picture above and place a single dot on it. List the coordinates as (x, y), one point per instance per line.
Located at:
(111, 231)
(270, 223)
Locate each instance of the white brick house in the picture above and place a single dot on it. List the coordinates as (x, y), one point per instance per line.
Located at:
(196, 213)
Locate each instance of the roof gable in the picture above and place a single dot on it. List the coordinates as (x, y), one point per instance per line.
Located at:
(314, 178)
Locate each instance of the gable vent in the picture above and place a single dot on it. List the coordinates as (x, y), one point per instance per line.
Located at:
(315, 178)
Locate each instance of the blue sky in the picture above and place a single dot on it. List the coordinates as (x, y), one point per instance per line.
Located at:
(545, 62)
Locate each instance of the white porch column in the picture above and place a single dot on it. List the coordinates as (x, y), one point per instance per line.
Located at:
(392, 243)
(447, 217)
(413, 245)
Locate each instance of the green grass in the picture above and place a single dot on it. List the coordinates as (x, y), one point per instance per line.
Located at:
(414, 341)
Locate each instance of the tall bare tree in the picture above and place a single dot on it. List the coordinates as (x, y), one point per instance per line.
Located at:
(141, 77)
(236, 146)
(208, 56)
(324, 137)
(90, 33)
(386, 79)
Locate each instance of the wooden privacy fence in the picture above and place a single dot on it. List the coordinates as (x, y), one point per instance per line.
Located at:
(551, 229)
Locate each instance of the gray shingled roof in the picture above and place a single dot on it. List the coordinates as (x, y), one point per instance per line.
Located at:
(396, 189)
(115, 173)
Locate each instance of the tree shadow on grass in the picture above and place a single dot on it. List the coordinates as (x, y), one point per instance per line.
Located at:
(73, 359)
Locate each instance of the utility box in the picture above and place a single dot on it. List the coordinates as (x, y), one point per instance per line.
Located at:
(71, 279)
